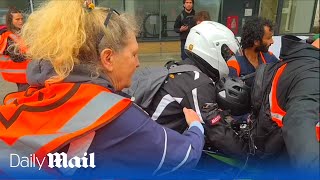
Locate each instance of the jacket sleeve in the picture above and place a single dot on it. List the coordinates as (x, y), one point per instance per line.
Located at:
(169, 149)
(302, 115)
(177, 24)
(198, 97)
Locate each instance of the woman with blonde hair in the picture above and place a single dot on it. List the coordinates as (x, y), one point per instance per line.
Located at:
(82, 58)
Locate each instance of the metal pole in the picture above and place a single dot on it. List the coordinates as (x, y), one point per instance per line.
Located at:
(279, 16)
(160, 20)
(314, 15)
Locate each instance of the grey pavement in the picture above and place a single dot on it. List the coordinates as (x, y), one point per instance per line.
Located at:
(151, 60)
(5, 88)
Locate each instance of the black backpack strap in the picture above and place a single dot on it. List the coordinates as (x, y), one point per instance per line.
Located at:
(248, 76)
(183, 68)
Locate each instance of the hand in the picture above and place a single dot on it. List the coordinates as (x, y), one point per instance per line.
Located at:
(191, 116)
(184, 28)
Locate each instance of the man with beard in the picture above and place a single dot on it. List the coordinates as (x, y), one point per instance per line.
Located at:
(256, 39)
(184, 22)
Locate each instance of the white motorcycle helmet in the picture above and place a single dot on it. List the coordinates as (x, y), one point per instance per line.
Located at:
(211, 44)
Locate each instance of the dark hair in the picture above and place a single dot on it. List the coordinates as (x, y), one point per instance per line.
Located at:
(9, 18)
(202, 16)
(253, 30)
(184, 1)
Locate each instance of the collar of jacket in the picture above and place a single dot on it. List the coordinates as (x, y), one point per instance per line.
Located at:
(193, 12)
(40, 71)
(294, 47)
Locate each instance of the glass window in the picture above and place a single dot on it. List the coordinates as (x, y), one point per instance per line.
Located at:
(115, 4)
(170, 9)
(297, 16)
(37, 3)
(212, 6)
(316, 24)
(268, 9)
(24, 6)
(148, 17)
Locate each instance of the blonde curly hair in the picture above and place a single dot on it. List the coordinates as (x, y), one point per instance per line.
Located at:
(66, 33)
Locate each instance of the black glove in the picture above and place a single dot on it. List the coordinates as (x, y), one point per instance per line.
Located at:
(219, 133)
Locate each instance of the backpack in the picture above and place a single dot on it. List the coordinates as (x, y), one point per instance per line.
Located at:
(266, 136)
(147, 82)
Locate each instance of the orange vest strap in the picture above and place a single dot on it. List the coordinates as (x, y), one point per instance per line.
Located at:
(277, 113)
(235, 65)
(262, 57)
(316, 43)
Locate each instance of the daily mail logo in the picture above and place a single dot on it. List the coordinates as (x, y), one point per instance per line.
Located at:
(55, 160)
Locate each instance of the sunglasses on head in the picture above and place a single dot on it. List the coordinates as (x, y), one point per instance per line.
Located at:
(106, 22)
(111, 11)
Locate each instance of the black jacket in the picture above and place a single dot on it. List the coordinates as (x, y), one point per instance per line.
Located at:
(194, 90)
(298, 94)
(184, 18)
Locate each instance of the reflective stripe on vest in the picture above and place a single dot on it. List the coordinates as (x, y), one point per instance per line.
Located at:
(48, 119)
(318, 131)
(277, 113)
(12, 71)
(235, 65)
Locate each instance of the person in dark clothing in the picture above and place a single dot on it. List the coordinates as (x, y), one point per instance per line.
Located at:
(256, 39)
(196, 89)
(184, 22)
(290, 109)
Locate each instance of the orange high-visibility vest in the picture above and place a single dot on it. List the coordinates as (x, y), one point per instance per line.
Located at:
(43, 121)
(12, 71)
(277, 113)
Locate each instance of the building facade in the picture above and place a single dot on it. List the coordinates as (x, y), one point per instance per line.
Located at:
(157, 17)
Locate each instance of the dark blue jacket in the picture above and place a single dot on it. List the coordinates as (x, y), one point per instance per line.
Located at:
(244, 67)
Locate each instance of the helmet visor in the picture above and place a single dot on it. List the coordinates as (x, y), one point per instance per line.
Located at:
(230, 49)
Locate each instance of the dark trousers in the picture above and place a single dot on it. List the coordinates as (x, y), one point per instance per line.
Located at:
(183, 54)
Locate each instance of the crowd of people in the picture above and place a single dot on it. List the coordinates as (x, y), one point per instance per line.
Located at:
(238, 101)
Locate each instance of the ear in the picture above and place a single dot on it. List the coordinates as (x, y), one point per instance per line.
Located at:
(107, 59)
(257, 42)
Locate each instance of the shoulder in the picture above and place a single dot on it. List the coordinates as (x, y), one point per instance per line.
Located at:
(131, 119)
(270, 57)
(3, 29)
